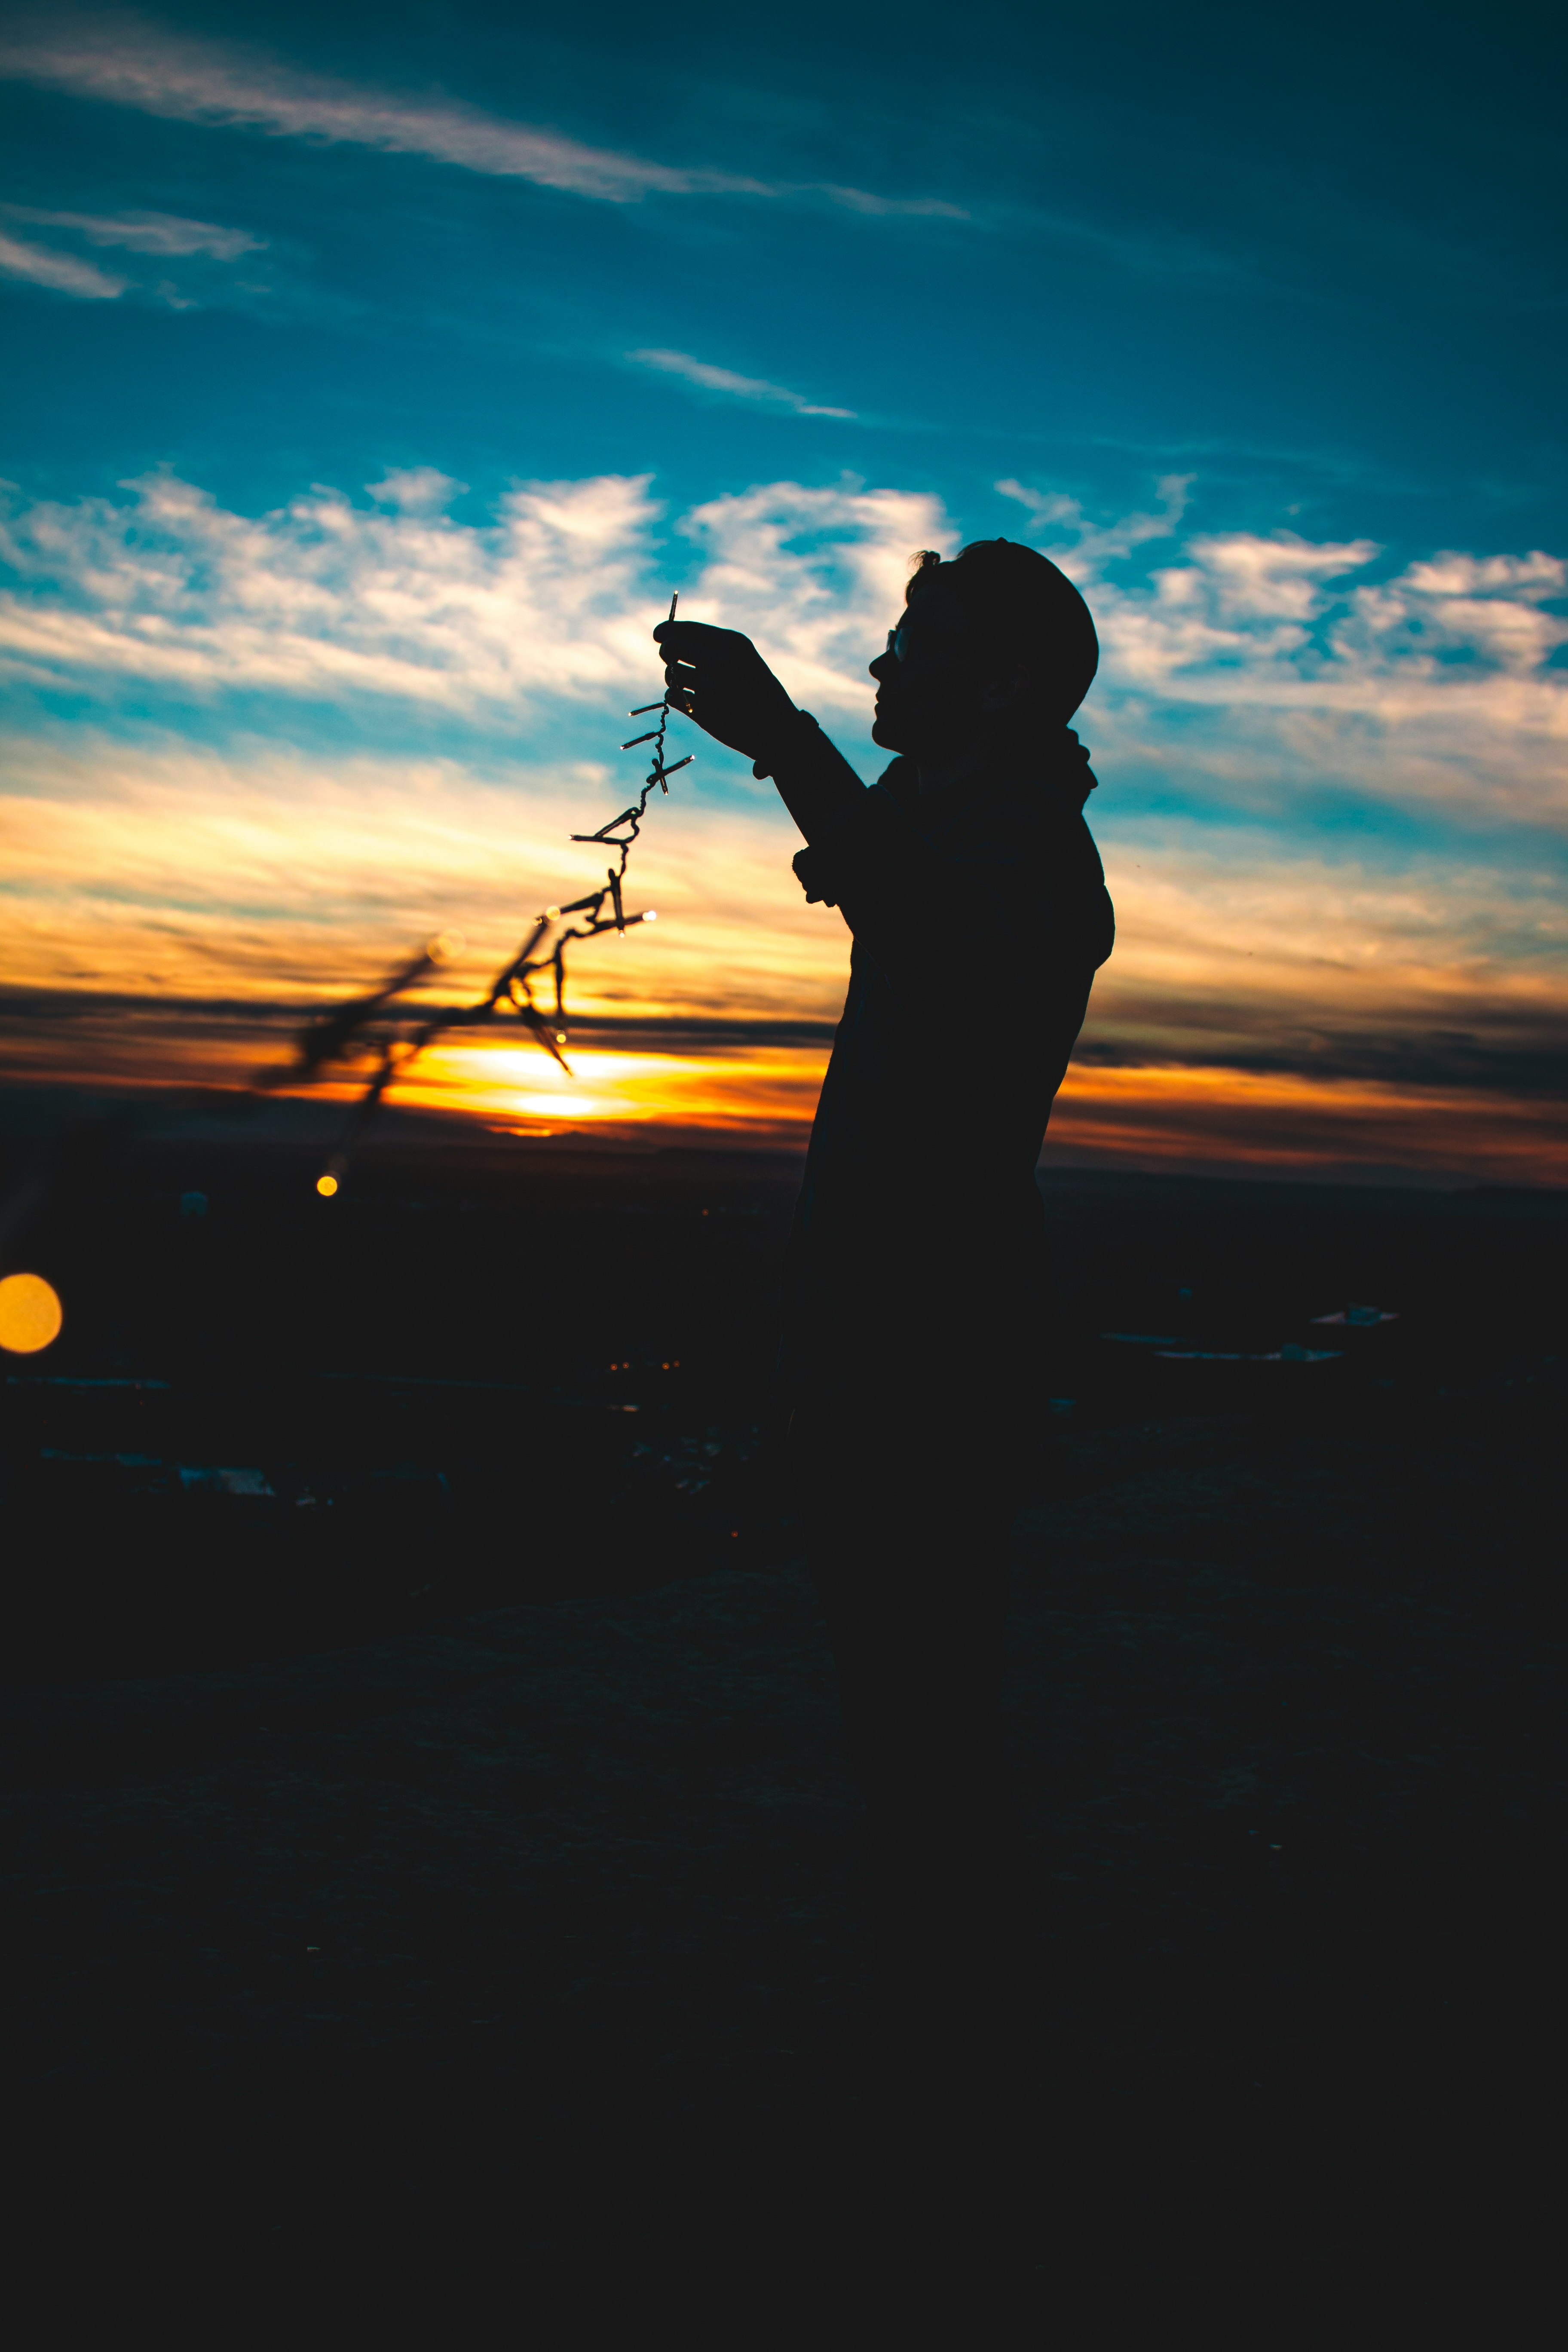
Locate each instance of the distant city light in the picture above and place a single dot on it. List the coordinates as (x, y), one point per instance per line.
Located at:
(326, 1186)
(30, 1314)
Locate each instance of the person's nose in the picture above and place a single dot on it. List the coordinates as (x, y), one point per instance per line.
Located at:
(883, 667)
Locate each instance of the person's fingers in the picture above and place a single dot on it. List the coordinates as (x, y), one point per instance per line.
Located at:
(692, 639)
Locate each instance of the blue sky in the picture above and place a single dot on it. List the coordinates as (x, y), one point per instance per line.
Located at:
(1256, 326)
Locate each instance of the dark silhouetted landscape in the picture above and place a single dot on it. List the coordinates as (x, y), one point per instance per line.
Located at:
(434, 1904)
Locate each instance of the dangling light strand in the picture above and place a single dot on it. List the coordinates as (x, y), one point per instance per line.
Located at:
(359, 1024)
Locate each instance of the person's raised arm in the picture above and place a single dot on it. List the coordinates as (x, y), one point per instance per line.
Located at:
(717, 678)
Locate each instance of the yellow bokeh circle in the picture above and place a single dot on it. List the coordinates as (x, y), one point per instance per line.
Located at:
(326, 1186)
(30, 1314)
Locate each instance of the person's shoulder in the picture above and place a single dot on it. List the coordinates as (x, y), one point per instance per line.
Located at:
(902, 778)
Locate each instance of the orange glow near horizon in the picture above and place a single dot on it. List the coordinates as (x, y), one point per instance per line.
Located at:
(1153, 1115)
(1273, 1122)
(124, 864)
(762, 1086)
(1149, 1115)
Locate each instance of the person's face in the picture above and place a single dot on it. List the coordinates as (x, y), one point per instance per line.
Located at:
(935, 687)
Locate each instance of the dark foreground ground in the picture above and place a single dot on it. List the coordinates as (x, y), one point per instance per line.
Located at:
(433, 1905)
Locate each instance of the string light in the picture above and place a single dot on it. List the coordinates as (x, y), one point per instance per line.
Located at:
(356, 1025)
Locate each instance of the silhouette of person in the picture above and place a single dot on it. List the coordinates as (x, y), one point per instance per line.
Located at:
(916, 1302)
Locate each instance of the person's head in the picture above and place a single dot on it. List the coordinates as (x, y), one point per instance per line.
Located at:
(994, 645)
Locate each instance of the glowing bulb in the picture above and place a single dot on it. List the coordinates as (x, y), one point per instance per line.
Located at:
(326, 1186)
(552, 914)
(30, 1314)
(651, 916)
(561, 1036)
(445, 946)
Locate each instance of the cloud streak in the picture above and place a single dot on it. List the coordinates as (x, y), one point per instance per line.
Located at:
(229, 87)
(165, 233)
(736, 387)
(550, 602)
(163, 237)
(63, 273)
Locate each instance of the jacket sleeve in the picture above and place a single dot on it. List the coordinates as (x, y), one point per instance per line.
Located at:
(815, 782)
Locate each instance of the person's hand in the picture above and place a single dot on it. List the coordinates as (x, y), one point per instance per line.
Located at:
(717, 677)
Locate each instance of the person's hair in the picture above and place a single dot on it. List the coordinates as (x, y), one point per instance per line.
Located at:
(1028, 609)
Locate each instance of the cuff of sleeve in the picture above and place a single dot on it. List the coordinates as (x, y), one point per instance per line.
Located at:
(797, 732)
(875, 835)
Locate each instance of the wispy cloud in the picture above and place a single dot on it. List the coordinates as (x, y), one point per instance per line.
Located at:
(736, 387)
(64, 273)
(325, 598)
(163, 234)
(862, 200)
(1439, 685)
(226, 85)
(1094, 545)
(553, 599)
(163, 237)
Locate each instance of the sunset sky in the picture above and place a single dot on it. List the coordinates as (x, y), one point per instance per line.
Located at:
(376, 373)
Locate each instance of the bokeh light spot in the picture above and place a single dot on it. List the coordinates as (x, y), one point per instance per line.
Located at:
(30, 1314)
(326, 1186)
